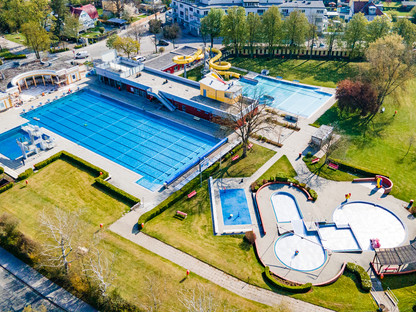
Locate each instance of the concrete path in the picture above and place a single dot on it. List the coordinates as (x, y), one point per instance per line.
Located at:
(124, 227)
(35, 284)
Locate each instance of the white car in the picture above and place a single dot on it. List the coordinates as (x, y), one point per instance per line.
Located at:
(139, 58)
(82, 54)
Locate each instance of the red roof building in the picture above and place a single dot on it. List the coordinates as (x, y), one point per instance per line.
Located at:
(89, 9)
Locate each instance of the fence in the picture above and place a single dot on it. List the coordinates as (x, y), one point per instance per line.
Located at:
(284, 52)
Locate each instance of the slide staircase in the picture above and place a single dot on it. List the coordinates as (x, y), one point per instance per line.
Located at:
(162, 100)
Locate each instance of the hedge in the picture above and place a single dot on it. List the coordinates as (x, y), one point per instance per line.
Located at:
(361, 274)
(264, 139)
(94, 170)
(116, 192)
(15, 56)
(344, 166)
(1, 170)
(79, 46)
(294, 289)
(25, 174)
(175, 197)
(58, 50)
(6, 187)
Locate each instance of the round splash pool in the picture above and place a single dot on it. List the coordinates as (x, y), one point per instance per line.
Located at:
(300, 253)
(369, 221)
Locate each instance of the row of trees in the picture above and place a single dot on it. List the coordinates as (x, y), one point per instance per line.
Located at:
(271, 30)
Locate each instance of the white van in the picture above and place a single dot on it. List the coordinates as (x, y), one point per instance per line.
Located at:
(82, 54)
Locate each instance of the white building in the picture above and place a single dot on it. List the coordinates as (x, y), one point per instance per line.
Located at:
(189, 12)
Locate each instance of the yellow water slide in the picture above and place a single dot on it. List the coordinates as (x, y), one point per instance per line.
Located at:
(221, 67)
(182, 59)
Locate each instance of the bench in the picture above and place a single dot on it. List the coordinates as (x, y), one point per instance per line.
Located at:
(333, 166)
(181, 214)
(191, 194)
(197, 118)
(314, 161)
(250, 146)
(235, 157)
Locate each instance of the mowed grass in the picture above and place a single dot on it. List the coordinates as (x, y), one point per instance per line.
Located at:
(17, 38)
(404, 288)
(314, 72)
(233, 255)
(281, 167)
(386, 145)
(63, 185)
(324, 171)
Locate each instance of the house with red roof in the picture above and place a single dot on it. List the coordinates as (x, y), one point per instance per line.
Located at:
(367, 7)
(87, 15)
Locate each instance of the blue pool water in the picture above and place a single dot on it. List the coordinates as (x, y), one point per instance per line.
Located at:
(8, 145)
(234, 201)
(149, 145)
(291, 98)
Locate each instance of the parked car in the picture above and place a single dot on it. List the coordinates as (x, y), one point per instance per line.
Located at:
(82, 54)
(163, 43)
(139, 58)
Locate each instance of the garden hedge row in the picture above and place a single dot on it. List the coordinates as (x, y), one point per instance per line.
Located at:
(175, 197)
(14, 56)
(6, 187)
(1, 170)
(294, 289)
(264, 139)
(25, 174)
(58, 50)
(344, 166)
(94, 170)
(361, 274)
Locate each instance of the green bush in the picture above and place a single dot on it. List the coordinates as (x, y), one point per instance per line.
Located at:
(47, 161)
(1, 170)
(25, 174)
(294, 289)
(58, 50)
(280, 178)
(15, 56)
(292, 180)
(234, 151)
(116, 192)
(313, 194)
(343, 166)
(361, 274)
(78, 46)
(175, 197)
(308, 155)
(6, 187)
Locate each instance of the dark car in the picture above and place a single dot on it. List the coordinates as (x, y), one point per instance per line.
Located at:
(163, 43)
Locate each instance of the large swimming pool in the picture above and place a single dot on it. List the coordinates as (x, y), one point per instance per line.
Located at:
(154, 147)
(289, 97)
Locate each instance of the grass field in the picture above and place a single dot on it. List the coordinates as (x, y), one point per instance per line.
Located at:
(281, 167)
(404, 288)
(18, 38)
(387, 145)
(325, 172)
(231, 254)
(321, 73)
(62, 185)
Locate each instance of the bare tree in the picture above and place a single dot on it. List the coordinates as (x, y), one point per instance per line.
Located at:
(154, 293)
(137, 32)
(331, 145)
(99, 267)
(198, 299)
(412, 140)
(249, 116)
(62, 230)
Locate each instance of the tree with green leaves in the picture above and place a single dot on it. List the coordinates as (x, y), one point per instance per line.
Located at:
(355, 34)
(234, 28)
(413, 15)
(295, 29)
(272, 28)
(378, 28)
(126, 45)
(406, 29)
(60, 10)
(391, 63)
(333, 34)
(36, 37)
(17, 12)
(312, 34)
(211, 24)
(253, 34)
(110, 41)
(172, 32)
(72, 27)
(155, 27)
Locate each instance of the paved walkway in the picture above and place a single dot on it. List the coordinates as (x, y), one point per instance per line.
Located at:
(38, 288)
(124, 227)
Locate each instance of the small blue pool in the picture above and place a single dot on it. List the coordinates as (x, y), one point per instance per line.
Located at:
(152, 146)
(290, 97)
(8, 145)
(234, 202)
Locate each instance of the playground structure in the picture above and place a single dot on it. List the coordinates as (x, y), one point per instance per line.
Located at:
(220, 67)
(38, 141)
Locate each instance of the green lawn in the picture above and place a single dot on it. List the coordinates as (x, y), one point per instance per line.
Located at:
(18, 38)
(313, 72)
(325, 172)
(62, 185)
(382, 145)
(281, 167)
(404, 288)
(91, 34)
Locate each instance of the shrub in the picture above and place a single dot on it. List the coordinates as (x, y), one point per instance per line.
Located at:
(101, 30)
(253, 186)
(292, 180)
(175, 197)
(116, 192)
(6, 187)
(303, 185)
(294, 289)
(280, 178)
(25, 174)
(161, 49)
(15, 56)
(58, 50)
(250, 237)
(361, 274)
(1, 170)
(309, 155)
(78, 46)
(313, 194)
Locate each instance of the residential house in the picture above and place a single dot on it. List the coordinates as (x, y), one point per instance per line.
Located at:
(367, 7)
(87, 15)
